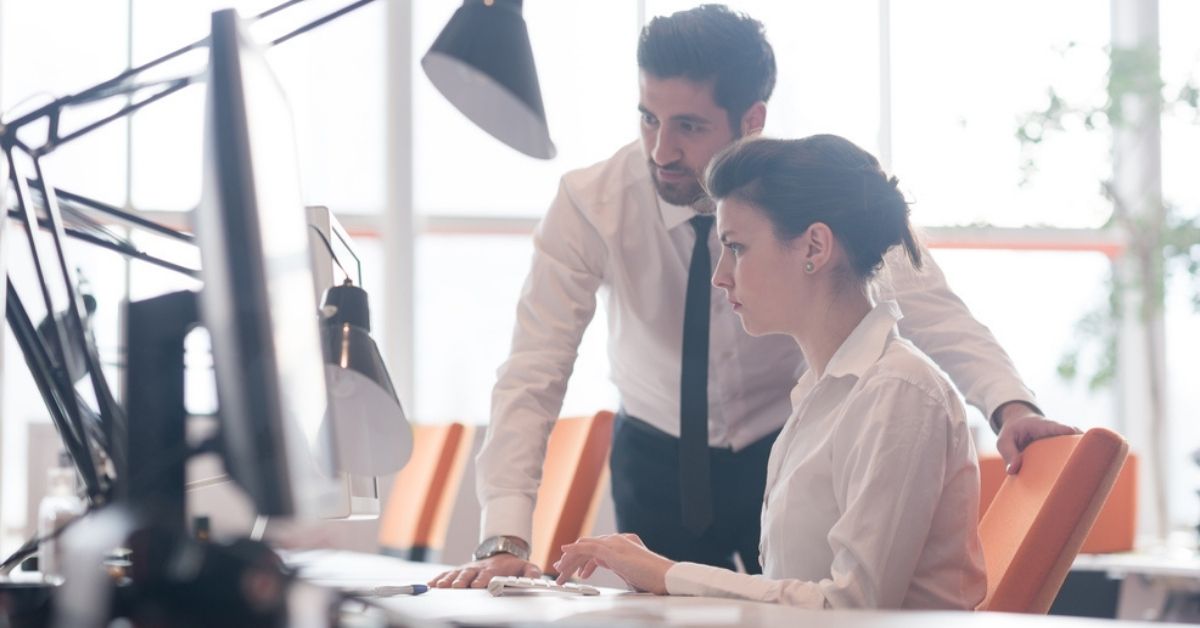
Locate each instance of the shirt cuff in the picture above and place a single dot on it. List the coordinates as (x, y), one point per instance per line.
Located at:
(507, 516)
(689, 578)
(1007, 395)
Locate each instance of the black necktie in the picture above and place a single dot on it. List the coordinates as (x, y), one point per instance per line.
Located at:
(695, 486)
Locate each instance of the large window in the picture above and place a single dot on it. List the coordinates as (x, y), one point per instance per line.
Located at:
(960, 91)
(1181, 125)
(1033, 335)
(466, 295)
(1181, 189)
(338, 114)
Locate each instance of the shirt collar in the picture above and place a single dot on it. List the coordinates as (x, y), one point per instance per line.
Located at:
(858, 352)
(865, 344)
(673, 215)
(802, 388)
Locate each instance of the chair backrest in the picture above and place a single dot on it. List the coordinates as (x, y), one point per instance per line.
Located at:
(573, 478)
(1036, 523)
(1115, 526)
(417, 512)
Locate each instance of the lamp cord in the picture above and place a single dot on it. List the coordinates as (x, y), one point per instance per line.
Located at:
(329, 247)
(31, 546)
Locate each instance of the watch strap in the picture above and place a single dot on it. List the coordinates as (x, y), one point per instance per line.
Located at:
(502, 545)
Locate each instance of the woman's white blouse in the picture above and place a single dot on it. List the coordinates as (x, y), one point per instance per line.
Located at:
(872, 492)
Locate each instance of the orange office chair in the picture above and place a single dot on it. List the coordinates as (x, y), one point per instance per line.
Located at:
(417, 512)
(573, 478)
(1036, 523)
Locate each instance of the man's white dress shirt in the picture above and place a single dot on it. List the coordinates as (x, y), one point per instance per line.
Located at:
(872, 495)
(607, 232)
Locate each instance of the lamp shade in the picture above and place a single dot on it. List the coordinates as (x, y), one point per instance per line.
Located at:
(483, 64)
(370, 431)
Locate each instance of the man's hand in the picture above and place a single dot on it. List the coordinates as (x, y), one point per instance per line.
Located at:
(1021, 425)
(478, 574)
(624, 554)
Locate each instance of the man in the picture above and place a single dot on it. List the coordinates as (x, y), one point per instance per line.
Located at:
(701, 401)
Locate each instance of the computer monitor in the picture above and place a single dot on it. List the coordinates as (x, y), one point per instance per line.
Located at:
(257, 302)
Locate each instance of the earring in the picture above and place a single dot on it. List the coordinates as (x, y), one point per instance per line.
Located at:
(808, 267)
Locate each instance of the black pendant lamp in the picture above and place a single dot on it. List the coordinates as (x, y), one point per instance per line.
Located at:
(483, 64)
(373, 436)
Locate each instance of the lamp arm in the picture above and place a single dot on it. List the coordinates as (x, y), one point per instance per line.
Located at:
(74, 436)
(110, 412)
(332, 254)
(341, 235)
(124, 216)
(354, 6)
(54, 140)
(122, 84)
(115, 244)
(28, 216)
(122, 248)
(115, 86)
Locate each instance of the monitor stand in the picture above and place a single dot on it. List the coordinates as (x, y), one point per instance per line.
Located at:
(157, 450)
(174, 577)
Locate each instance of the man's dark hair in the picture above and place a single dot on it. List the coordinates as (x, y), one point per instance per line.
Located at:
(710, 42)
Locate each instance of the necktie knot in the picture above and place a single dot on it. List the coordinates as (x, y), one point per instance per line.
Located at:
(702, 223)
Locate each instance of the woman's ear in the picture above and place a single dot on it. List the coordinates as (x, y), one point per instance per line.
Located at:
(817, 245)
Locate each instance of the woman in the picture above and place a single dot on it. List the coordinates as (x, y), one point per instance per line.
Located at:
(872, 486)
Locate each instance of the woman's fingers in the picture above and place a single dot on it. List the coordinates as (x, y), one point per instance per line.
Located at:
(589, 568)
(572, 560)
(587, 554)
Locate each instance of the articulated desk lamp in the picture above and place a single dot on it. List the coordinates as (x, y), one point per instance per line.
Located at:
(95, 439)
(483, 64)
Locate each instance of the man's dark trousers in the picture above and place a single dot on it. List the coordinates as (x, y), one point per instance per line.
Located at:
(645, 486)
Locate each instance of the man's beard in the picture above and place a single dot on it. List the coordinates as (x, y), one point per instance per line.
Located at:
(684, 194)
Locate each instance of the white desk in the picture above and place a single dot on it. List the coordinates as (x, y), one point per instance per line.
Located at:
(1157, 583)
(616, 607)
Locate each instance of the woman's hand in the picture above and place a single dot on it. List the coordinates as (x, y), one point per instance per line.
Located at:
(623, 554)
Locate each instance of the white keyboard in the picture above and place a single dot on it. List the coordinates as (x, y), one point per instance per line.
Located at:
(512, 585)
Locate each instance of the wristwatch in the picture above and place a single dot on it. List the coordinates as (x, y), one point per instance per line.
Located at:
(502, 545)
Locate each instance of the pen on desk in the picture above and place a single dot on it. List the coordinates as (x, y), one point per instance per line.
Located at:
(408, 589)
(389, 591)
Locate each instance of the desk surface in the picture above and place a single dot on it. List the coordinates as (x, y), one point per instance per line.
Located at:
(1159, 562)
(345, 569)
